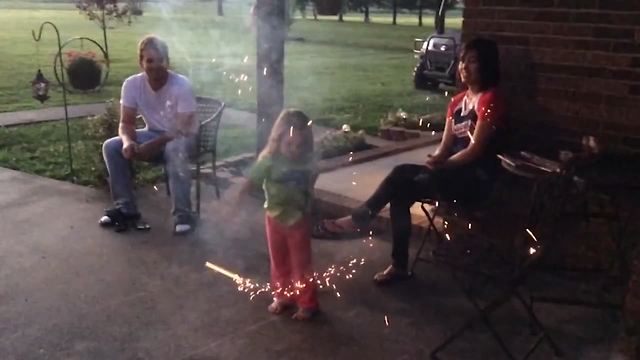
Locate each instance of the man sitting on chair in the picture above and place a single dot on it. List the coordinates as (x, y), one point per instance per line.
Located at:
(167, 104)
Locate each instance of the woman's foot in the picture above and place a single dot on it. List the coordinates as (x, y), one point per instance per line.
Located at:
(304, 314)
(390, 275)
(334, 229)
(278, 306)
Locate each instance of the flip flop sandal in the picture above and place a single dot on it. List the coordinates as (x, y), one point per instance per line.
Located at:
(320, 231)
(121, 222)
(141, 225)
(390, 277)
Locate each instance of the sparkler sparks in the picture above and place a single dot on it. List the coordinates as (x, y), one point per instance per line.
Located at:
(448, 237)
(327, 278)
(246, 58)
(291, 131)
(386, 320)
(155, 188)
(532, 251)
(531, 234)
(470, 136)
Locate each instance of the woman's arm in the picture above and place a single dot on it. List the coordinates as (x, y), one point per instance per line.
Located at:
(447, 140)
(481, 137)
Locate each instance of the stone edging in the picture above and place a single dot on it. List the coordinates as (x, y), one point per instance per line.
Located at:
(376, 153)
(337, 204)
(327, 165)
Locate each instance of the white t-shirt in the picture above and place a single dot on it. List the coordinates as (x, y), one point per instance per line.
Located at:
(159, 108)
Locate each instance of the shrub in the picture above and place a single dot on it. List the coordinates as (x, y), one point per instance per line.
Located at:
(340, 142)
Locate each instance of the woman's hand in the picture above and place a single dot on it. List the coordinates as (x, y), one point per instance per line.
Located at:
(435, 161)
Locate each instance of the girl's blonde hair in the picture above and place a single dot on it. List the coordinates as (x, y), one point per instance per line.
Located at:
(290, 120)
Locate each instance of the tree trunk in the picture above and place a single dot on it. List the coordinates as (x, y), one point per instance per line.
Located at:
(220, 10)
(419, 12)
(271, 32)
(366, 14)
(395, 11)
(340, 17)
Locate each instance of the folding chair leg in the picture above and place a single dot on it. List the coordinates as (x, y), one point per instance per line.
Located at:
(483, 314)
(431, 229)
(544, 335)
(166, 181)
(198, 189)
(215, 175)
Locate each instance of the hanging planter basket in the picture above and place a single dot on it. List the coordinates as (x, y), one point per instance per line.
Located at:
(84, 73)
(83, 69)
(328, 7)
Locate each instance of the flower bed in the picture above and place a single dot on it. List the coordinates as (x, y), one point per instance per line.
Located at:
(341, 142)
(400, 126)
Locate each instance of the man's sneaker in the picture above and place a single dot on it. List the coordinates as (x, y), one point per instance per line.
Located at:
(120, 221)
(183, 224)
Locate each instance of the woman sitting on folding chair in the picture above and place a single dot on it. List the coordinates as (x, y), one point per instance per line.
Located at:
(462, 168)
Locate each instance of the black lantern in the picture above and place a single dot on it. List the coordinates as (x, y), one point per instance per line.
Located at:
(40, 87)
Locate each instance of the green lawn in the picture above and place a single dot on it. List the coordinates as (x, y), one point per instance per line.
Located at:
(342, 72)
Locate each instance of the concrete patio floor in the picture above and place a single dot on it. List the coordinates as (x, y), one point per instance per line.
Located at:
(71, 290)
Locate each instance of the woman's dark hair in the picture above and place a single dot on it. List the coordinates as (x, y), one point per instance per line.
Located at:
(488, 60)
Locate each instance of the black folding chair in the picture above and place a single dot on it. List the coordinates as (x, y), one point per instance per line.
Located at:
(208, 115)
(483, 265)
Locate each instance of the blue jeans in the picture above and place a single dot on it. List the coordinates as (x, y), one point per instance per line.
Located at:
(176, 159)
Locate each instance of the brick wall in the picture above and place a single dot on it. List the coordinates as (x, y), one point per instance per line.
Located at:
(574, 64)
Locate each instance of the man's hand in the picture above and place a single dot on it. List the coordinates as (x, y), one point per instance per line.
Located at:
(129, 150)
(435, 161)
(150, 149)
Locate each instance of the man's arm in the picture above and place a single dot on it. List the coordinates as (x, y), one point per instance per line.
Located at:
(127, 131)
(186, 124)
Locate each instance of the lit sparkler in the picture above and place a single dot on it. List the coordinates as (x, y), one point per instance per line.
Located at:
(531, 234)
(223, 271)
(386, 320)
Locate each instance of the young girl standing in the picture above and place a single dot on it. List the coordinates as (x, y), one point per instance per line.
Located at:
(285, 170)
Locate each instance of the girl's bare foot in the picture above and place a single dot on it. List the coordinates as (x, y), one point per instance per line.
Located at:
(278, 306)
(304, 314)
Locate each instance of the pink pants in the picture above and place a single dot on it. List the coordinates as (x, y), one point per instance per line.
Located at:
(290, 254)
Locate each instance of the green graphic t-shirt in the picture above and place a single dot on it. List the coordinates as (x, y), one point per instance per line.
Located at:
(288, 187)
